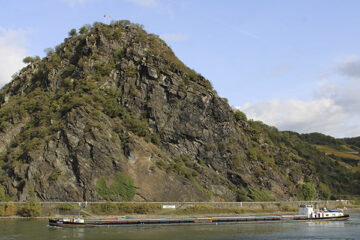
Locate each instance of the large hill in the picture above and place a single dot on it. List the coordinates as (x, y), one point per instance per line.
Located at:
(112, 114)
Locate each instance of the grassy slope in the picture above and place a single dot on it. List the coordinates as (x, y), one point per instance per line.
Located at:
(329, 150)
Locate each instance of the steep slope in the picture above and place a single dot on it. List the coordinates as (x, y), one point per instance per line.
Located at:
(112, 114)
(343, 157)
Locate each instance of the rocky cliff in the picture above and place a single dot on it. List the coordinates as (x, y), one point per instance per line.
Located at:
(112, 114)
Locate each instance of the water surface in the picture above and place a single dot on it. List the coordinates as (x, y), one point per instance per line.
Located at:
(39, 229)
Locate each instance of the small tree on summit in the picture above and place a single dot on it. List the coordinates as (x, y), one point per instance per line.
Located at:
(72, 32)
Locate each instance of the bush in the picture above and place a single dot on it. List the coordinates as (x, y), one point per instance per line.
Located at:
(10, 209)
(2, 209)
(124, 208)
(202, 208)
(260, 195)
(2, 191)
(65, 206)
(72, 33)
(240, 116)
(137, 126)
(85, 29)
(307, 191)
(143, 208)
(30, 209)
(108, 207)
(29, 60)
(122, 188)
(112, 108)
(287, 208)
(131, 71)
(155, 138)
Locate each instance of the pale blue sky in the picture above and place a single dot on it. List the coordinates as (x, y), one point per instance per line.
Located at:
(297, 58)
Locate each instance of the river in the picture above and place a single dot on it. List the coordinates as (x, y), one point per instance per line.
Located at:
(11, 229)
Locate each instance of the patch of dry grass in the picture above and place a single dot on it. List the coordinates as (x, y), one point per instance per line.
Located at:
(329, 150)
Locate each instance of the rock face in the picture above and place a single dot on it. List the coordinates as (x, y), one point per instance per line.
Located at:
(114, 99)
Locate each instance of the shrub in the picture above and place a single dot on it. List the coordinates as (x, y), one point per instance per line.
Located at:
(307, 191)
(287, 208)
(202, 208)
(236, 161)
(65, 206)
(137, 126)
(95, 208)
(10, 209)
(72, 33)
(30, 209)
(146, 208)
(2, 209)
(85, 29)
(240, 116)
(29, 60)
(122, 187)
(222, 146)
(131, 71)
(112, 108)
(260, 195)
(2, 190)
(143, 208)
(108, 207)
(155, 138)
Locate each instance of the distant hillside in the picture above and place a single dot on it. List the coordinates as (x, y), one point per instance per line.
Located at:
(345, 151)
(112, 114)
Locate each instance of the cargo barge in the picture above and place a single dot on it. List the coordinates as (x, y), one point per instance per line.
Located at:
(306, 213)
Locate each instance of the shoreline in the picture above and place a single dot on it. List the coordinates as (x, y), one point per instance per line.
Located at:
(164, 216)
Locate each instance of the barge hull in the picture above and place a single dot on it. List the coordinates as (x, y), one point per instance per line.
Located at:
(188, 221)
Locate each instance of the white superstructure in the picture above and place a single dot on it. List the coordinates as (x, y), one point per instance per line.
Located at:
(310, 212)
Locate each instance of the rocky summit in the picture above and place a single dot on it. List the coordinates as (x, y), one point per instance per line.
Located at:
(112, 114)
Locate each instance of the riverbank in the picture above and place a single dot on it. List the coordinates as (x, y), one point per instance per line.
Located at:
(158, 209)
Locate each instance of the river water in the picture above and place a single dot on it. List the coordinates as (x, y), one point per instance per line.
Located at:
(38, 230)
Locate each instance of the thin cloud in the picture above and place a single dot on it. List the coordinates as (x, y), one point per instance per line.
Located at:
(12, 52)
(282, 69)
(72, 3)
(144, 3)
(350, 67)
(174, 37)
(249, 34)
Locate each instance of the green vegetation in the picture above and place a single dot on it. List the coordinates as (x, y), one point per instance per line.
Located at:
(286, 208)
(240, 116)
(79, 76)
(2, 192)
(336, 179)
(261, 195)
(124, 208)
(72, 33)
(131, 71)
(65, 207)
(307, 191)
(122, 188)
(30, 209)
(55, 174)
(28, 60)
(328, 150)
(10, 209)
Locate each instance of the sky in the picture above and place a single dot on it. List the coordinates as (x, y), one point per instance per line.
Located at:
(292, 64)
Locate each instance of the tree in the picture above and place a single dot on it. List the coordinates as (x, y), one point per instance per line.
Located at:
(308, 191)
(85, 29)
(31, 59)
(72, 32)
